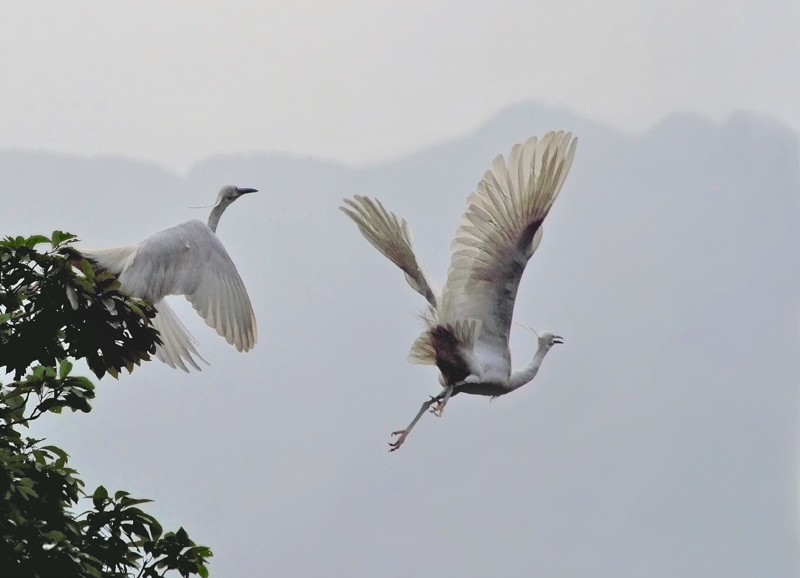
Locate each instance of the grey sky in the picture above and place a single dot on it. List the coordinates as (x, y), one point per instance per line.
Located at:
(661, 440)
(365, 80)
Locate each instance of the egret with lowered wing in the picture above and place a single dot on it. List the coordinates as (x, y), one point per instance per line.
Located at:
(187, 259)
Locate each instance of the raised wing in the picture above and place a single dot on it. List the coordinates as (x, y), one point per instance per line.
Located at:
(392, 236)
(187, 259)
(499, 233)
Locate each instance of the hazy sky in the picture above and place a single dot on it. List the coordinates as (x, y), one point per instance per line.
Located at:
(661, 440)
(365, 80)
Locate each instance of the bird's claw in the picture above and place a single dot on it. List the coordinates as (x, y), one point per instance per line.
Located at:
(399, 441)
(438, 409)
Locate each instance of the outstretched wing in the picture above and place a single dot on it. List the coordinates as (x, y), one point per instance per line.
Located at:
(392, 236)
(500, 231)
(187, 259)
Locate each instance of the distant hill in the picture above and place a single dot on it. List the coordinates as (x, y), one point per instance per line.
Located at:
(660, 440)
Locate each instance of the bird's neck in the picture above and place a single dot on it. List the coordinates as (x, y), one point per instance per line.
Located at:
(523, 376)
(216, 213)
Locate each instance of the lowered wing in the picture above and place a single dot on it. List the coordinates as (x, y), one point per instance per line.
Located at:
(187, 259)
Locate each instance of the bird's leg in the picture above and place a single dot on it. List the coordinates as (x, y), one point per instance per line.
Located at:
(443, 397)
(403, 433)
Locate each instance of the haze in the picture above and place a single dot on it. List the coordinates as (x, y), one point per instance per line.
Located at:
(361, 81)
(660, 440)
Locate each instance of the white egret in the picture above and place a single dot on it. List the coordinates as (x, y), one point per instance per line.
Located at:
(187, 259)
(469, 321)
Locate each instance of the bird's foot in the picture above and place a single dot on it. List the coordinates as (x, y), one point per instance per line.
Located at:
(438, 409)
(399, 441)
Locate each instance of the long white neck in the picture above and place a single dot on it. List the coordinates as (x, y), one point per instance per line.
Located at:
(523, 376)
(216, 213)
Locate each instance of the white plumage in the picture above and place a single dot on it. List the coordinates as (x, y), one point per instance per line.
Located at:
(187, 259)
(392, 236)
(469, 322)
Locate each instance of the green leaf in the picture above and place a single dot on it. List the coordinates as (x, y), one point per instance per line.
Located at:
(31, 242)
(130, 502)
(155, 529)
(55, 536)
(59, 237)
(87, 269)
(26, 491)
(99, 497)
(182, 536)
(57, 451)
(81, 382)
(64, 368)
(91, 570)
(15, 402)
(203, 551)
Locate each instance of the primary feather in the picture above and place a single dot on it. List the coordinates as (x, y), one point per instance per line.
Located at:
(392, 236)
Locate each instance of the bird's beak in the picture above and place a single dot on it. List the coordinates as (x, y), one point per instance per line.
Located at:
(558, 339)
(245, 191)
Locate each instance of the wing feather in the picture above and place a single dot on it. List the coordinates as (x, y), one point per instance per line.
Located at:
(177, 343)
(392, 236)
(187, 259)
(222, 301)
(500, 231)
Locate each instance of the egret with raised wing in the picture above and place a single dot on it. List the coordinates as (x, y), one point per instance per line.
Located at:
(468, 322)
(187, 259)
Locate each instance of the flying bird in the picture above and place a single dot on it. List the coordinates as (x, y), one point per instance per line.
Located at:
(468, 322)
(187, 259)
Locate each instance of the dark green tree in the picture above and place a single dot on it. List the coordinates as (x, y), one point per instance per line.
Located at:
(54, 309)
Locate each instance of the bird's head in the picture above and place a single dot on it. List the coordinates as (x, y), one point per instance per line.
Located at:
(230, 193)
(547, 339)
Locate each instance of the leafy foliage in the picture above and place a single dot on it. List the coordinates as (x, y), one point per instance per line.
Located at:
(49, 312)
(54, 307)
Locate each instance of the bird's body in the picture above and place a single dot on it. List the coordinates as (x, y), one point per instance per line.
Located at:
(186, 259)
(469, 321)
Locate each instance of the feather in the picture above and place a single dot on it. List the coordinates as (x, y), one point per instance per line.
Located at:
(499, 232)
(392, 236)
(187, 259)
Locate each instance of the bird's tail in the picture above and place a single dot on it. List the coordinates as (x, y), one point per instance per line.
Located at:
(438, 342)
(177, 344)
(114, 260)
(422, 351)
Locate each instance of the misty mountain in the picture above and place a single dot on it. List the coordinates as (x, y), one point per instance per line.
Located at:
(660, 440)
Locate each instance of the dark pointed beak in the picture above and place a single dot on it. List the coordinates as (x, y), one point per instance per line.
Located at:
(245, 191)
(558, 339)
